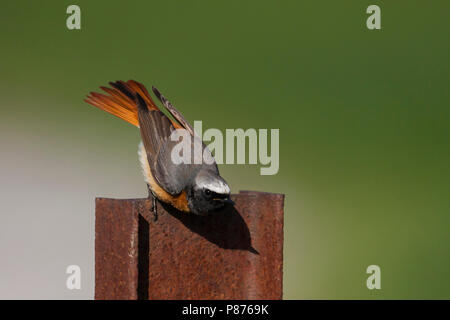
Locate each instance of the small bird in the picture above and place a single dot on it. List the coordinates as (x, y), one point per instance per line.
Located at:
(189, 187)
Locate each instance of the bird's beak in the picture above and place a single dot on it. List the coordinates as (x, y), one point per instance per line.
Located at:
(228, 200)
(225, 200)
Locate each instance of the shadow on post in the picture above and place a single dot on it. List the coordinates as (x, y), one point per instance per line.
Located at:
(225, 228)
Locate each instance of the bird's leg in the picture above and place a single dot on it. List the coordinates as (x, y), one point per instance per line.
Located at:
(154, 205)
(155, 209)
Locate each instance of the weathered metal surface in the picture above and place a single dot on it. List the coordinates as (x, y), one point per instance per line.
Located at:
(236, 253)
(116, 249)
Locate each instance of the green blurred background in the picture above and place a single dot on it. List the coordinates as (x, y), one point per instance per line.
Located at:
(363, 118)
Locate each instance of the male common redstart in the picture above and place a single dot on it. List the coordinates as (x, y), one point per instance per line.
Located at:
(189, 187)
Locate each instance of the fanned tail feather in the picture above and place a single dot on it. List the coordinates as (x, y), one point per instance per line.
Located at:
(120, 100)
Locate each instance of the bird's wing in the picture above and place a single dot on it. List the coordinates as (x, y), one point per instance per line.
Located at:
(174, 112)
(181, 121)
(156, 128)
(174, 176)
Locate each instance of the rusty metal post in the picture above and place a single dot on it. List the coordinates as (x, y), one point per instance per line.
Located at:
(236, 253)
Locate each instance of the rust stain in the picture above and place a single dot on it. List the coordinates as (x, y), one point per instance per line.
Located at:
(235, 253)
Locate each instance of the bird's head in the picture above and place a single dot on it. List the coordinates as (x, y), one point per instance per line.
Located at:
(208, 192)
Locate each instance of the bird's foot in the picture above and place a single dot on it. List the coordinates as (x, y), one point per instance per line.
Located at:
(154, 209)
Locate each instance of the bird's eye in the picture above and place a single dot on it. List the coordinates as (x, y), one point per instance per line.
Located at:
(207, 192)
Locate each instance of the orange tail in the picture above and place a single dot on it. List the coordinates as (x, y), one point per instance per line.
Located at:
(121, 100)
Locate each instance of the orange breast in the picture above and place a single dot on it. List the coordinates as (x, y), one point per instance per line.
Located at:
(179, 201)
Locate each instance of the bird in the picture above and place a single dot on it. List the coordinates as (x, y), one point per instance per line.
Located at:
(189, 187)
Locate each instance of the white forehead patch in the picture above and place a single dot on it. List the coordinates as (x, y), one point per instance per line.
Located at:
(214, 184)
